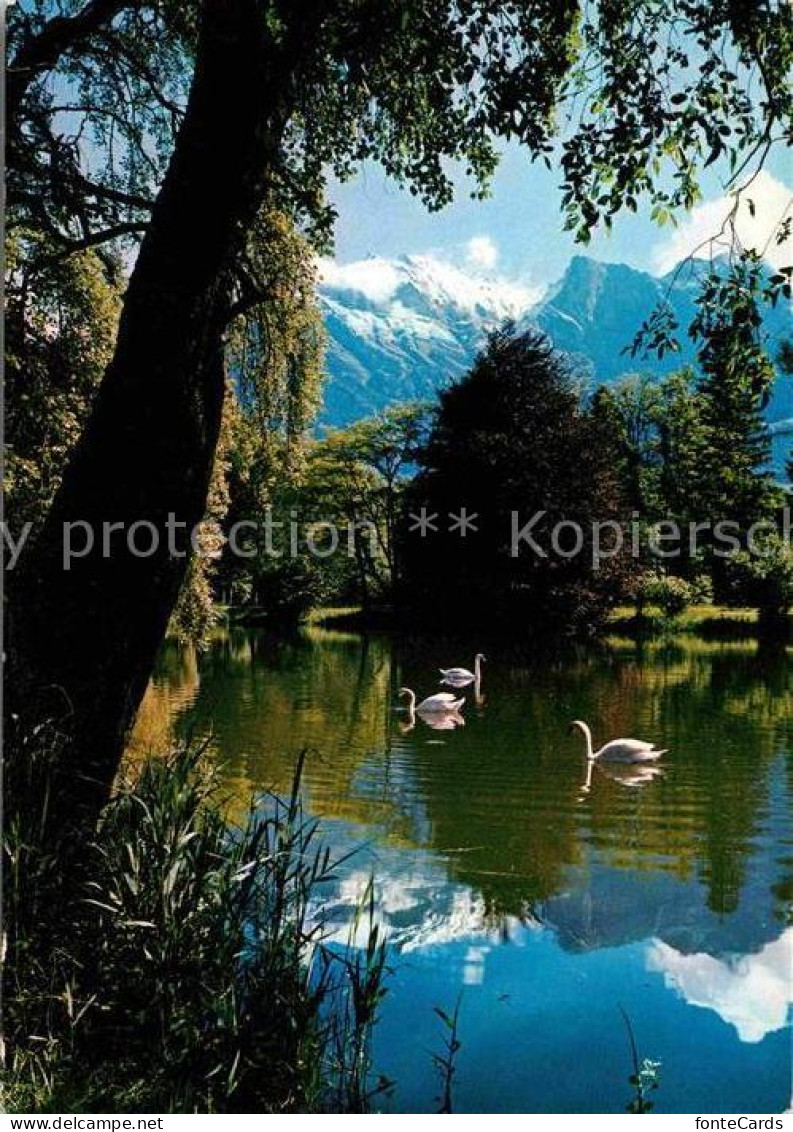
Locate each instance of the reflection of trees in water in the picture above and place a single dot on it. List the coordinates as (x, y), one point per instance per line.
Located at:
(172, 688)
(783, 895)
(501, 803)
(746, 720)
(263, 699)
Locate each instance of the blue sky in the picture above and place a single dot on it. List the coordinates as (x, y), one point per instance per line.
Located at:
(518, 234)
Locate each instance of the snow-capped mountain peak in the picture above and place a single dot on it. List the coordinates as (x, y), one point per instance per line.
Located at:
(400, 329)
(426, 284)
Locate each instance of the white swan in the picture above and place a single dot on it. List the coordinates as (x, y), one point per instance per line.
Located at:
(441, 702)
(459, 677)
(618, 750)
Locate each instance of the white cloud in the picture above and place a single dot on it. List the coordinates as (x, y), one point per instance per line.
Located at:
(750, 992)
(772, 201)
(376, 278)
(482, 252)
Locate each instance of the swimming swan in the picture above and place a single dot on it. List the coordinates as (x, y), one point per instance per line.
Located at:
(618, 750)
(459, 677)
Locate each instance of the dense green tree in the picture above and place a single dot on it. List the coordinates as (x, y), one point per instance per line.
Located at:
(62, 314)
(357, 477)
(629, 411)
(736, 484)
(785, 364)
(694, 448)
(763, 575)
(61, 319)
(276, 354)
(180, 122)
(514, 445)
(682, 441)
(332, 522)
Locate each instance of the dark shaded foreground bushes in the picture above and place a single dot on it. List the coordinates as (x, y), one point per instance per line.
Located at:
(172, 963)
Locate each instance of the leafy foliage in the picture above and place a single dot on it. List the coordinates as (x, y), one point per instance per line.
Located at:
(643, 95)
(60, 331)
(61, 328)
(333, 518)
(670, 594)
(357, 477)
(277, 339)
(631, 98)
(275, 356)
(196, 609)
(694, 448)
(731, 294)
(764, 574)
(736, 378)
(630, 410)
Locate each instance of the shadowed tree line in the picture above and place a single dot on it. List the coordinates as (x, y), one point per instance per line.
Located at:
(523, 501)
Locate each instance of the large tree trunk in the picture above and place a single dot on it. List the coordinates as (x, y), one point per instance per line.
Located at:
(83, 640)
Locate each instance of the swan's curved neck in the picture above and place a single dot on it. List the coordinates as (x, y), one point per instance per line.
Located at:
(411, 701)
(590, 754)
(478, 667)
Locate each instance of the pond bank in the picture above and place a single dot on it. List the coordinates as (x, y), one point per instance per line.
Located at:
(712, 622)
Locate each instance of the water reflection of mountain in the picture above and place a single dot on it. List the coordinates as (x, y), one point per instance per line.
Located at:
(610, 906)
(414, 912)
(418, 911)
(597, 906)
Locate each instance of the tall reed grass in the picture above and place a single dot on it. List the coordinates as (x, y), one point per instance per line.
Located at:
(181, 966)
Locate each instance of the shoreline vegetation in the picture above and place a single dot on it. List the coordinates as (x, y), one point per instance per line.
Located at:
(406, 515)
(711, 622)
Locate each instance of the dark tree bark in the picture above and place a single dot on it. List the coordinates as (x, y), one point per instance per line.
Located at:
(83, 640)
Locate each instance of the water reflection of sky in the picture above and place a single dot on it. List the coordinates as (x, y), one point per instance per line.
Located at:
(419, 911)
(753, 993)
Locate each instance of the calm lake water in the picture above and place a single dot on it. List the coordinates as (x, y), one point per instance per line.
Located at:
(548, 903)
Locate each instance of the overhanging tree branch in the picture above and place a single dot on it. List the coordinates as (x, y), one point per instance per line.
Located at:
(106, 192)
(104, 236)
(42, 51)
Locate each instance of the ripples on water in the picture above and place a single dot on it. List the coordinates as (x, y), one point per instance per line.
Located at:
(550, 900)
